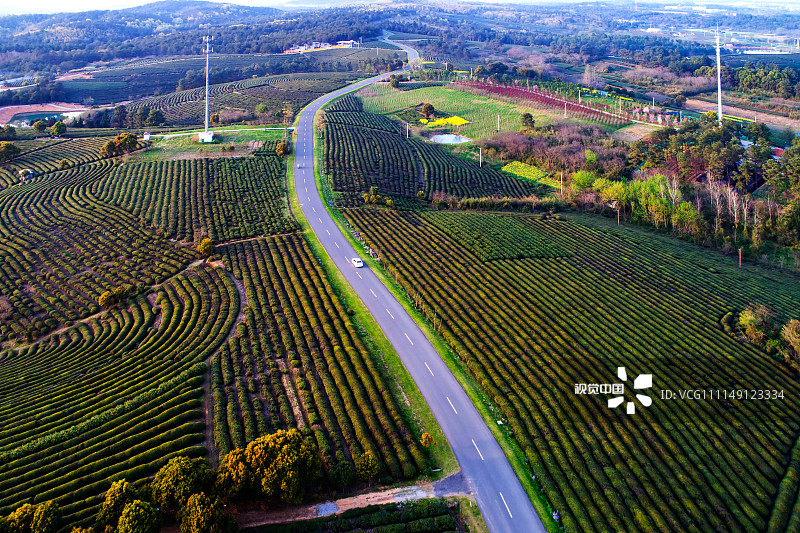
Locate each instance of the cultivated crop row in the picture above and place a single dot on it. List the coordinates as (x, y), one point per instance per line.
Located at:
(60, 248)
(361, 152)
(226, 198)
(495, 237)
(54, 156)
(529, 330)
(113, 397)
(299, 361)
(188, 107)
(365, 120)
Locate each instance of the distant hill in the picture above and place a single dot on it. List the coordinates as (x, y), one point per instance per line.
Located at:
(166, 15)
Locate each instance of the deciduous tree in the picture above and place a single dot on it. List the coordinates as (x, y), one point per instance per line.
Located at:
(234, 475)
(366, 467)
(58, 129)
(791, 336)
(117, 496)
(178, 479)
(204, 515)
(139, 517)
(206, 247)
(46, 518)
(8, 151)
(284, 465)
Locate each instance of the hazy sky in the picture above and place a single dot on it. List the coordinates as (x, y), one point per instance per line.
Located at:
(9, 7)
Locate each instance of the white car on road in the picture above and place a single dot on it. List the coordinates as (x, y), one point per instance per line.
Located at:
(357, 262)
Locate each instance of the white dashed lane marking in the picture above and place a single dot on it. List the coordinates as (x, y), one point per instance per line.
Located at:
(476, 448)
(451, 404)
(504, 503)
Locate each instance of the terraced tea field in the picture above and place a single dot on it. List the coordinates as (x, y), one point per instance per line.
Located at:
(113, 397)
(189, 198)
(530, 327)
(141, 78)
(52, 155)
(90, 394)
(364, 150)
(188, 107)
(299, 361)
(60, 249)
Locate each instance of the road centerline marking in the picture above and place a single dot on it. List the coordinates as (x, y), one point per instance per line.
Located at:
(429, 369)
(359, 275)
(478, 450)
(451, 404)
(504, 503)
(373, 293)
(391, 315)
(407, 337)
(336, 243)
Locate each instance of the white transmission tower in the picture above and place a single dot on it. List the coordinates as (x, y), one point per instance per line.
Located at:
(719, 83)
(207, 39)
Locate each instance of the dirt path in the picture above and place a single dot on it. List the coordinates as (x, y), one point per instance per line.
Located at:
(450, 486)
(634, 132)
(771, 120)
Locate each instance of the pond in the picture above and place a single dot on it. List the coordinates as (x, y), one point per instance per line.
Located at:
(450, 138)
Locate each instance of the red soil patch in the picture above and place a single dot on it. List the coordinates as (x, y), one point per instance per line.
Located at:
(9, 111)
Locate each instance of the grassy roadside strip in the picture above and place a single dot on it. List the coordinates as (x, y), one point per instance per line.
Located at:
(470, 514)
(514, 453)
(406, 393)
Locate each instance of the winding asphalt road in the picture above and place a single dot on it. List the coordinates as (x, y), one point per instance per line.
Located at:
(502, 500)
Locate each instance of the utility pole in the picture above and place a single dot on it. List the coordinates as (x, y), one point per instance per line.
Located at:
(562, 184)
(565, 109)
(207, 40)
(287, 113)
(406, 130)
(719, 83)
(498, 123)
(480, 157)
